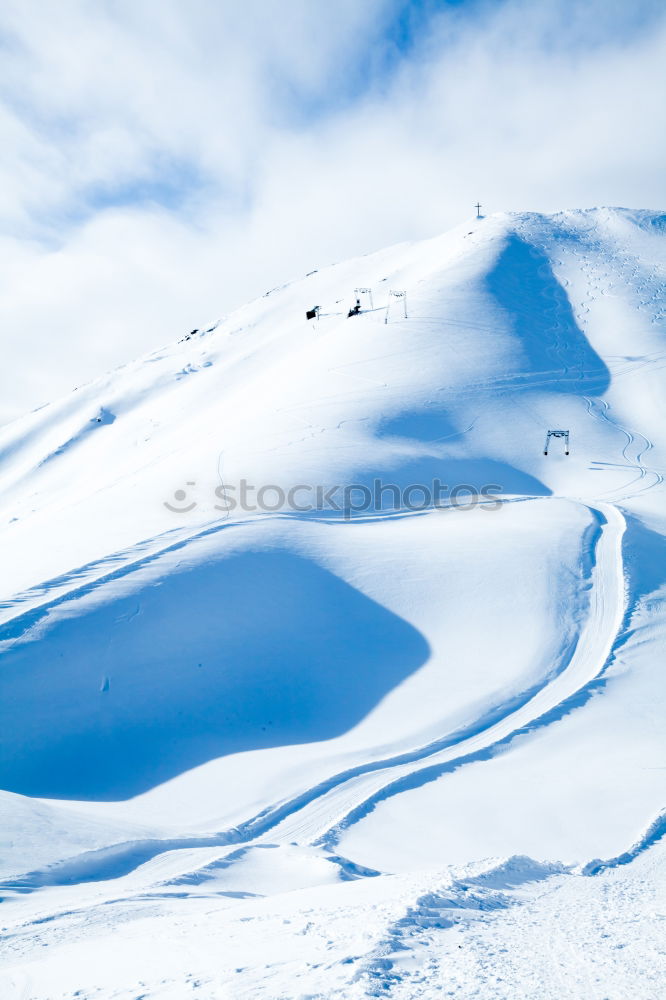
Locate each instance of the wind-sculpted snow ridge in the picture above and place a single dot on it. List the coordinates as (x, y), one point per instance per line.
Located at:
(654, 833)
(458, 901)
(315, 723)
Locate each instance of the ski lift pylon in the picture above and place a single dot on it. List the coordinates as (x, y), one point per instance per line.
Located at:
(393, 294)
(557, 434)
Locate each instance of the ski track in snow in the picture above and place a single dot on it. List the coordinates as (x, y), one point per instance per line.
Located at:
(599, 408)
(331, 811)
(318, 815)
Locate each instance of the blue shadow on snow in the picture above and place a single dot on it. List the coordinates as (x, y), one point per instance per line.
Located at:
(256, 650)
(524, 284)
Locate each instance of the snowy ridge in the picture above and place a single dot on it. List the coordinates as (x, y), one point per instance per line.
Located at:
(652, 835)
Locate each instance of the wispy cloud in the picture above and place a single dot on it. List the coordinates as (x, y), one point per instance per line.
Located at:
(164, 161)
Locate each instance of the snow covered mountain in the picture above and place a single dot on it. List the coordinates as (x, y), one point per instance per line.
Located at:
(432, 696)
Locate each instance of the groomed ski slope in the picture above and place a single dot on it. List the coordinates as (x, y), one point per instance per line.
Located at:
(329, 753)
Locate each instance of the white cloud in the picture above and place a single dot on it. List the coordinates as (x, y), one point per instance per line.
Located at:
(274, 138)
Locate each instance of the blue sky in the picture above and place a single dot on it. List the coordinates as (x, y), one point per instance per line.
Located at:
(163, 162)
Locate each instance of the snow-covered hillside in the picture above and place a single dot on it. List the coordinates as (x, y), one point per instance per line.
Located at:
(363, 743)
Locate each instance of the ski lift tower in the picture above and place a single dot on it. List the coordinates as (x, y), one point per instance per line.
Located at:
(557, 434)
(364, 291)
(394, 295)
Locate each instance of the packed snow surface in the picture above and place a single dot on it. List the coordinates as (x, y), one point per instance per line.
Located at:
(265, 735)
